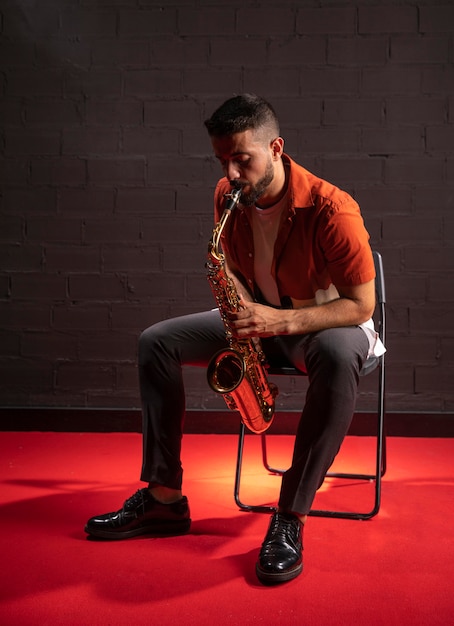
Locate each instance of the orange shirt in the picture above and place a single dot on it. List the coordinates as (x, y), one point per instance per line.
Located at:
(321, 241)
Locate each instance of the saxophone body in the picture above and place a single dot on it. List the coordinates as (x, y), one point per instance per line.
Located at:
(238, 371)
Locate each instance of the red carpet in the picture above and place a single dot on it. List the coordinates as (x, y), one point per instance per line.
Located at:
(395, 569)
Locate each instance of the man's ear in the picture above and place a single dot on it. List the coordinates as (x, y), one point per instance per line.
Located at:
(277, 148)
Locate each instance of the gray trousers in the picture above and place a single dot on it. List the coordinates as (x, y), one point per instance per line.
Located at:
(331, 358)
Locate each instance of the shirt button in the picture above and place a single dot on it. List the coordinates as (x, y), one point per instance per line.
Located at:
(250, 255)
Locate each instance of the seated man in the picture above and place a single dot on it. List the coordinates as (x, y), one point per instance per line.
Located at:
(299, 255)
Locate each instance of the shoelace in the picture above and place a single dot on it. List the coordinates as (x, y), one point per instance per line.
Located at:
(284, 529)
(135, 500)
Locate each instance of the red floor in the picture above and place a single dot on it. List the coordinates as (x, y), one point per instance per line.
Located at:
(395, 569)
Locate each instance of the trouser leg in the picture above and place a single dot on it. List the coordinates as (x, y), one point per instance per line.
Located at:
(163, 349)
(332, 359)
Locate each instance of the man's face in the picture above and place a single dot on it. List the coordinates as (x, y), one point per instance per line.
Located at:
(246, 160)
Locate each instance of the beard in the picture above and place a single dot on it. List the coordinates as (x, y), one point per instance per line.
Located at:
(254, 192)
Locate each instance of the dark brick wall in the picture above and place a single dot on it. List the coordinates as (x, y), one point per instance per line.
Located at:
(107, 177)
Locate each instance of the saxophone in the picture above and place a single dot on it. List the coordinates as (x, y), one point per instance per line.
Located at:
(237, 372)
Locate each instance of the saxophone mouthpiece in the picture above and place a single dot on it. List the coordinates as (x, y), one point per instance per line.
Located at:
(233, 197)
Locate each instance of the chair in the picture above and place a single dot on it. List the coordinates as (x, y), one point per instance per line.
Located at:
(373, 363)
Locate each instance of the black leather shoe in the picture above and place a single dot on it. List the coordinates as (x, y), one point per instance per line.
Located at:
(281, 556)
(141, 515)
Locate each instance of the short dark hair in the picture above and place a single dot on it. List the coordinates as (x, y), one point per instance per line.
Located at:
(240, 113)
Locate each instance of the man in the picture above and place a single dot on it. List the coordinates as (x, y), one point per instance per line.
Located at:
(298, 252)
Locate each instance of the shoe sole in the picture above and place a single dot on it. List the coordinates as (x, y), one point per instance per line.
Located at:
(273, 578)
(167, 529)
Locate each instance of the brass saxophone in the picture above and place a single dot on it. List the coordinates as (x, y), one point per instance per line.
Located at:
(237, 372)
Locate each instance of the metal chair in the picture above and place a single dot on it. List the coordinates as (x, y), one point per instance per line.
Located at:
(373, 363)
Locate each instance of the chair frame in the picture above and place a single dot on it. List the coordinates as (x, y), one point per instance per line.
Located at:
(380, 448)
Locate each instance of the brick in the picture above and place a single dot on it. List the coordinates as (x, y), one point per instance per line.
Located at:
(212, 81)
(177, 51)
(440, 138)
(76, 52)
(21, 257)
(38, 286)
(169, 170)
(344, 170)
(328, 80)
(38, 81)
(114, 229)
(326, 20)
(25, 375)
(413, 350)
(423, 200)
(5, 291)
(183, 229)
(239, 48)
(403, 110)
(53, 228)
(409, 228)
(24, 316)
(143, 23)
(17, 54)
(82, 317)
(436, 19)
(433, 379)
(108, 346)
(130, 53)
(72, 259)
(418, 49)
(291, 50)
(10, 343)
(178, 113)
(52, 113)
(391, 80)
(155, 140)
(11, 229)
(357, 51)
(49, 345)
(79, 22)
(329, 141)
(23, 200)
(54, 171)
(196, 201)
(406, 288)
(437, 80)
(137, 317)
(428, 258)
(156, 285)
(125, 171)
(87, 201)
(34, 142)
(93, 82)
(385, 200)
(90, 141)
(441, 288)
(195, 142)
(142, 201)
(292, 111)
(14, 170)
(210, 21)
(147, 82)
(353, 112)
(74, 376)
(104, 287)
(387, 19)
(182, 257)
(130, 259)
(401, 169)
(114, 112)
(392, 140)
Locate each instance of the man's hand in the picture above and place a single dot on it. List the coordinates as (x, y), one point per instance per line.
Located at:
(257, 320)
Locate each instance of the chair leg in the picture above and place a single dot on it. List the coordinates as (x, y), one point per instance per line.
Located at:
(256, 508)
(380, 469)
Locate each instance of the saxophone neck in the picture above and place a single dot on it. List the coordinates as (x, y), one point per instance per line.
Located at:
(232, 200)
